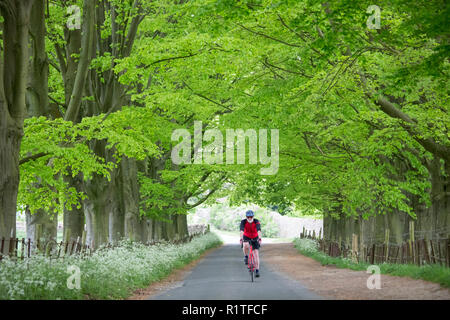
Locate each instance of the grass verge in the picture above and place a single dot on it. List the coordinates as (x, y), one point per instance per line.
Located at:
(432, 273)
(108, 274)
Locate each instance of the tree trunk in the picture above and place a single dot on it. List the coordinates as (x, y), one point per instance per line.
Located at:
(95, 210)
(37, 105)
(115, 212)
(157, 229)
(432, 222)
(48, 222)
(13, 80)
(170, 228)
(74, 217)
(74, 221)
(134, 225)
(104, 203)
(182, 226)
(97, 221)
(10, 138)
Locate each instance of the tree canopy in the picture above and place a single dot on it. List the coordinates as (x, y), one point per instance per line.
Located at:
(362, 112)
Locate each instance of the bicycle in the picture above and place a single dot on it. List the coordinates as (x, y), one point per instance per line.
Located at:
(251, 260)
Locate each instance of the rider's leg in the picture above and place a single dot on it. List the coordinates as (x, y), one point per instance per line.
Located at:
(246, 248)
(256, 254)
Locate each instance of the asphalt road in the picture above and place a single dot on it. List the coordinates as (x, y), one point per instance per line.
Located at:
(222, 275)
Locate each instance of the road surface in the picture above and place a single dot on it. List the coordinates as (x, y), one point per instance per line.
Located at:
(222, 275)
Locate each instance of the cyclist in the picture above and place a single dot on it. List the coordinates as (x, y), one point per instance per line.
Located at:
(251, 232)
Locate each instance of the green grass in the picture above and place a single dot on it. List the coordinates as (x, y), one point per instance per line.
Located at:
(433, 273)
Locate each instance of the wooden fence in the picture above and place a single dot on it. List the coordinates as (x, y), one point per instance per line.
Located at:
(413, 251)
(20, 249)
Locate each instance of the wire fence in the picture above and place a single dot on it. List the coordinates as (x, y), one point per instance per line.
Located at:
(421, 252)
(20, 249)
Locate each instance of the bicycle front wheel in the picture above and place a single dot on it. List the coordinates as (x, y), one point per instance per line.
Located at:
(251, 266)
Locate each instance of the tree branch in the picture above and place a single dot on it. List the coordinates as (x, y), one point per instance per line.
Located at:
(269, 37)
(61, 60)
(85, 59)
(16, 16)
(429, 144)
(208, 195)
(206, 98)
(266, 62)
(33, 157)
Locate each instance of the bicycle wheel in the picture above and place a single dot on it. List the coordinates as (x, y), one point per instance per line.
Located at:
(251, 265)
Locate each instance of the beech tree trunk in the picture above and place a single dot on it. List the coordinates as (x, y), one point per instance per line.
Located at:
(97, 232)
(13, 80)
(48, 222)
(134, 225)
(95, 211)
(37, 105)
(74, 217)
(10, 137)
(432, 222)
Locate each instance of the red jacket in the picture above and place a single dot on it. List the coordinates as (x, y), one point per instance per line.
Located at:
(251, 229)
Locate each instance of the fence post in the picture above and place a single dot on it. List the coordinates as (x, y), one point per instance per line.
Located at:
(59, 249)
(425, 247)
(439, 252)
(432, 258)
(409, 253)
(411, 240)
(37, 236)
(22, 251)
(83, 238)
(48, 248)
(71, 248)
(386, 243)
(372, 259)
(12, 246)
(29, 248)
(2, 245)
(17, 247)
(77, 244)
(403, 254)
(418, 260)
(448, 253)
(65, 247)
(355, 248)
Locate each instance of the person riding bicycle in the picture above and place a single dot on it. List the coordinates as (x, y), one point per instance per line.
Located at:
(251, 232)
